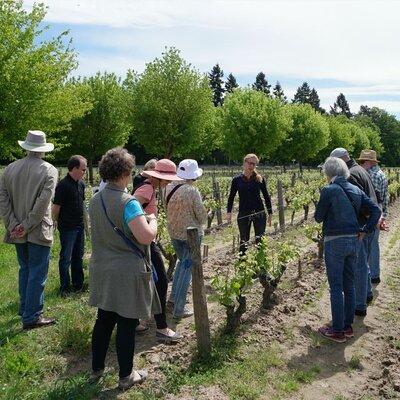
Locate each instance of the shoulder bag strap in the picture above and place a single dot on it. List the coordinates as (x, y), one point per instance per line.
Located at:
(118, 231)
(171, 193)
(350, 199)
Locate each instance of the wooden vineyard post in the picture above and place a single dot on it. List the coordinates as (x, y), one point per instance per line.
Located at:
(217, 198)
(281, 205)
(205, 252)
(201, 321)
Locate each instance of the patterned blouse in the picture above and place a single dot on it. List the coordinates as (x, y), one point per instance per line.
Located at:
(184, 209)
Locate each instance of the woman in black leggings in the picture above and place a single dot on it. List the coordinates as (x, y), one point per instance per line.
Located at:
(250, 184)
(164, 172)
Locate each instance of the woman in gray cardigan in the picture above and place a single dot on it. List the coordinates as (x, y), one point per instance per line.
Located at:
(120, 280)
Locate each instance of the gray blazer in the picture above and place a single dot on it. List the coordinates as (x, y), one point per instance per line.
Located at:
(26, 189)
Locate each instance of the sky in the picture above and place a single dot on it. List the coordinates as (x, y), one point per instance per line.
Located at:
(347, 46)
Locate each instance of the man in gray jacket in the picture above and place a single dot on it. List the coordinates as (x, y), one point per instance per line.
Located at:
(26, 189)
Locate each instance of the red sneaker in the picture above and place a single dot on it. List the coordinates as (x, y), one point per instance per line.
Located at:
(330, 334)
(348, 332)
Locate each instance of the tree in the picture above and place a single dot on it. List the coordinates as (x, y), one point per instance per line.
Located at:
(216, 83)
(261, 84)
(389, 128)
(302, 95)
(171, 107)
(278, 93)
(252, 123)
(33, 76)
(309, 135)
(314, 102)
(372, 131)
(106, 124)
(341, 107)
(231, 84)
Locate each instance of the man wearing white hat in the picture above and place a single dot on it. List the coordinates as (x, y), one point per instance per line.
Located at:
(26, 189)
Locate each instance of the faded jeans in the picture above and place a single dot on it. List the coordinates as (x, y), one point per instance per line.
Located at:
(363, 280)
(33, 262)
(373, 261)
(340, 260)
(182, 275)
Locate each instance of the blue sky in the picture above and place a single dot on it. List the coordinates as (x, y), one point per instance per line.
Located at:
(337, 46)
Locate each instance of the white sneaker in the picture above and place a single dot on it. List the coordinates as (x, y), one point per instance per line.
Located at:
(186, 313)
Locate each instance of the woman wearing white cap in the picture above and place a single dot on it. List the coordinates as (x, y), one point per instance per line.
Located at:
(184, 208)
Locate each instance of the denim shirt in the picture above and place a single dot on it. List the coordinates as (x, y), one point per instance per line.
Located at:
(338, 215)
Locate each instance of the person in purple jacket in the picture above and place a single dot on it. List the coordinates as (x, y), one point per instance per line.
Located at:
(250, 184)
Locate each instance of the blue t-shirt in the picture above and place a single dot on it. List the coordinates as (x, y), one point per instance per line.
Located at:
(132, 210)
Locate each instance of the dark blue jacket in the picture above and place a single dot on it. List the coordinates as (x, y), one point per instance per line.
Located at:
(338, 214)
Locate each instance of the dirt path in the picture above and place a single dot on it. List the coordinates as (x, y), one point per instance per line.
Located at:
(368, 366)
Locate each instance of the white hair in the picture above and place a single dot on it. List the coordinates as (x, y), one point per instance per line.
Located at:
(334, 166)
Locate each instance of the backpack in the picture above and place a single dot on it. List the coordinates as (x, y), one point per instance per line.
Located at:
(138, 181)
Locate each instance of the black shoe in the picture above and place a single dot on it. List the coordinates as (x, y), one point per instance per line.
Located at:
(369, 299)
(376, 280)
(360, 313)
(81, 289)
(41, 321)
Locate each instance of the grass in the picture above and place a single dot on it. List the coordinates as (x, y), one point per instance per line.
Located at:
(53, 363)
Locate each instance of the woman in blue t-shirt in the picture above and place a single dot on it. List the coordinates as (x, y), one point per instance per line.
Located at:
(250, 184)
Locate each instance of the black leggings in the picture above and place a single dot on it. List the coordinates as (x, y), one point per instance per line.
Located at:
(244, 223)
(161, 285)
(125, 340)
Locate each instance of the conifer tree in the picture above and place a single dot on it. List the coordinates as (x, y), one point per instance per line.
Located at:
(302, 96)
(314, 101)
(341, 107)
(278, 93)
(231, 84)
(261, 84)
(215, 77)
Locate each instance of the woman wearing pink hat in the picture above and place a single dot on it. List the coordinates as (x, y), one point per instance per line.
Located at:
(163, 173)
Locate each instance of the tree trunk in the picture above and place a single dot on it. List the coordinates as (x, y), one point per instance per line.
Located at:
(210, 219)
(306, 210)
(171, 258)
(233, 316)
(90, 165)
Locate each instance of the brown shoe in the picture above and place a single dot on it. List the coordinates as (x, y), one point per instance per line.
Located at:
(41, 321)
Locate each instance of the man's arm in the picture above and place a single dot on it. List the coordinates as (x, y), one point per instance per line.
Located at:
(35, 216)
(55, 213)
(6, 211)
(322, 206)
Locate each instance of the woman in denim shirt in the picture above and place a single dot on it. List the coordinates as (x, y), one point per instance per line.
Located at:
(338, 209)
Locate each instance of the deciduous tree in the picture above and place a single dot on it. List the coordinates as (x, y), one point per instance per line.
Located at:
(33, 76)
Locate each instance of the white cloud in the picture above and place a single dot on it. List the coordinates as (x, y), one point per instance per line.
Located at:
(354, 41)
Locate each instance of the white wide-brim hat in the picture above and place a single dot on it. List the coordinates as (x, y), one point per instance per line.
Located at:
(36, 141)
(189, 169)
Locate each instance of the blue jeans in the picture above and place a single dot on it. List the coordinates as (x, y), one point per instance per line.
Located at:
(182, 275)
(33, 262)
(71, 255)
(374, 256)
(363, 280)
(340, 262)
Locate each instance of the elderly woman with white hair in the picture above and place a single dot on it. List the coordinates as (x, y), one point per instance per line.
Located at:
(338, 209)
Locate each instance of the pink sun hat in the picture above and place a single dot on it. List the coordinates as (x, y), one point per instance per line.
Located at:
(164, 169)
